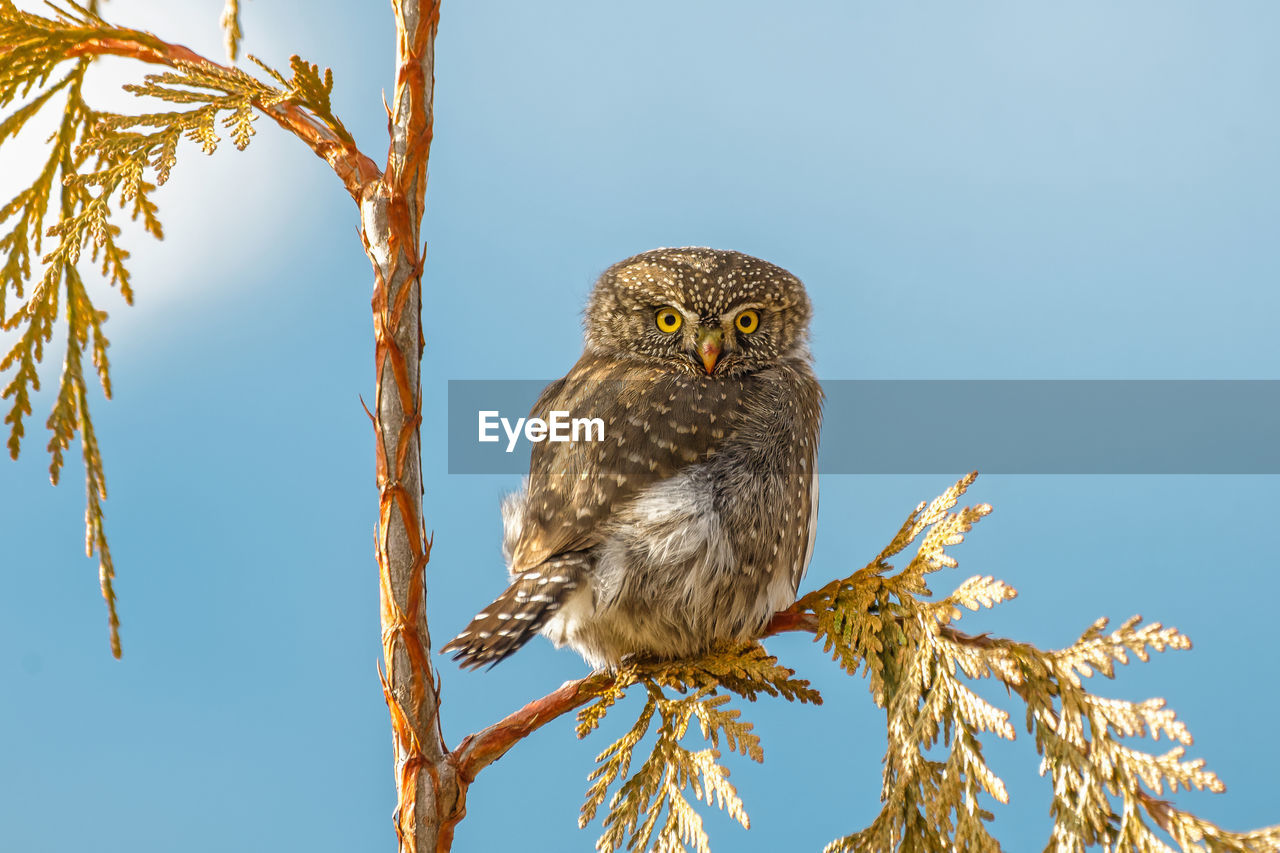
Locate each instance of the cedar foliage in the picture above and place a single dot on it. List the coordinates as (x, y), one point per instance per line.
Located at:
(884, 625)
(878, 623)
(637, 806)
(98, 159)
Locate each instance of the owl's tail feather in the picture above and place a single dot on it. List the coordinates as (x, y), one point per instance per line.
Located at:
(516, 615)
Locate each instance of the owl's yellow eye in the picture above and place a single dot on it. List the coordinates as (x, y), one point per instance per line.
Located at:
(669, 319)
(748, 321)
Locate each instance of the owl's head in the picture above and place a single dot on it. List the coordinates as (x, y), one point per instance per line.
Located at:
(701, 311)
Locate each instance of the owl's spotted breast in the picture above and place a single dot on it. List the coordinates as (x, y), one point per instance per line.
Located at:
(654, 425)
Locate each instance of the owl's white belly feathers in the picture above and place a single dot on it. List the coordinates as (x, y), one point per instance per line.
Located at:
(666, 582)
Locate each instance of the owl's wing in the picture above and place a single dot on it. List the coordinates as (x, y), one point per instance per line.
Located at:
(653, 425)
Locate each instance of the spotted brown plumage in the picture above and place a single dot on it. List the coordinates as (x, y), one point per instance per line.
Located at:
(693, 519)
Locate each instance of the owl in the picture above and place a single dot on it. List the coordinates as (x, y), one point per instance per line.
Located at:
(692, 519)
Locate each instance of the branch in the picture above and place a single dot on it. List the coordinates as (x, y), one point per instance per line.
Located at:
(793, 618)
(430, 793)
(412, 108)
(352, 167)
(97, 157)
(477, 751)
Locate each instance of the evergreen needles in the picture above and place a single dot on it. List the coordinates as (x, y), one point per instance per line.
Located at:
(99, 164)
(1106, 793)
(649, 804)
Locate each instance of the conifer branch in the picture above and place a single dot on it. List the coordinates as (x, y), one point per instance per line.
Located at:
(477, 751)
(430, 790)
(82, 218)
(31, 45)
(98, 159)
(310, 122)
(636, 809)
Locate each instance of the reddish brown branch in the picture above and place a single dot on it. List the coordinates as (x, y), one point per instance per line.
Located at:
(412, 108)
(352, 167)
(431, 792)
(477, 751)
(794, 618)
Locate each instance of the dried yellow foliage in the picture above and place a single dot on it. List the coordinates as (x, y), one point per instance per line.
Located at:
(99, 161)
(649, 805)
(885, 625)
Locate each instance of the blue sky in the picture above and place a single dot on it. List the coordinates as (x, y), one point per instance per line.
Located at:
(1027, 190)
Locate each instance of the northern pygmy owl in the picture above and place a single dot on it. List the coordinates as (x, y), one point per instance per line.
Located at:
(693, 520)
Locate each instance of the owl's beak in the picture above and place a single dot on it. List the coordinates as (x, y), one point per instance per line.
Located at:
(709, 343)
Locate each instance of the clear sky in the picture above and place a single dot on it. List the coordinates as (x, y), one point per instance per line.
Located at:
(977, 189)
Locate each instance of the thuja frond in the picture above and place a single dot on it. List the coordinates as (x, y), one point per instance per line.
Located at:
(937, 788)
(309, 88)
(859, 617)
(1078, 734)
(100, 164)
(745, 669)
(1105, 792)
(658, 786)
(649, 805)
(28, 64)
